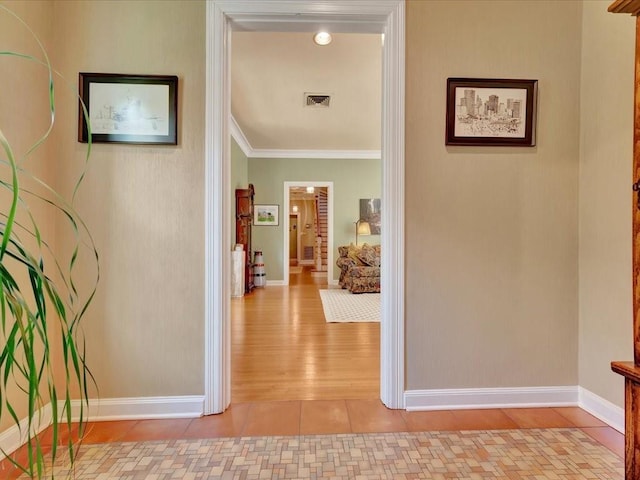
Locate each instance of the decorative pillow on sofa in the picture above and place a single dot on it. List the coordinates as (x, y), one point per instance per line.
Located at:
(354, 254)
(369, 256)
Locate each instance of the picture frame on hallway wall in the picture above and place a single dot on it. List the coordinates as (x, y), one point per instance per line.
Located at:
(266, 215)
(491, 112)
(370, 212)
(140, 109)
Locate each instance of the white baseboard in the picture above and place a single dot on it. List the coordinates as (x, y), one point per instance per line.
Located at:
(145, 408)
(140, 408)
(275, 283)
(468, 398)
(14, 437)
(603, 409)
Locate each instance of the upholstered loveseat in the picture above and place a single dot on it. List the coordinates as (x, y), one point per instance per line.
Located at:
(359, 268)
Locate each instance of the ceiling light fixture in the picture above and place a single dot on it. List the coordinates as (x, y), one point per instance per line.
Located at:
(322, 38)
(310, 189)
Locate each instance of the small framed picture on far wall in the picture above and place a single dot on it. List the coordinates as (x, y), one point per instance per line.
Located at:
(265, 215)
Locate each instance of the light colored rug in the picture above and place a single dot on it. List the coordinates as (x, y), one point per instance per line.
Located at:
(493, 454)
(296, 269)
(343, 306)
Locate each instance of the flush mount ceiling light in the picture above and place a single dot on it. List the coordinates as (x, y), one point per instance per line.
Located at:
(310, 189)
(322, 38)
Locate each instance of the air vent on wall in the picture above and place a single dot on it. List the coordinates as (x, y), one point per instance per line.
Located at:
(317, 100)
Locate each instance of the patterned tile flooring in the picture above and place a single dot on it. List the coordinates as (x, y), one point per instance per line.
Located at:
(348, 439)
(563, 453)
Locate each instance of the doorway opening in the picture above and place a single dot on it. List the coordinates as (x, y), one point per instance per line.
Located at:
(312, 205)
(381, 16)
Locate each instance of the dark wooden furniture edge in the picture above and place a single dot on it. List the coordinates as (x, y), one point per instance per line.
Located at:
(627, 370)
(631, 374)
(625, 6)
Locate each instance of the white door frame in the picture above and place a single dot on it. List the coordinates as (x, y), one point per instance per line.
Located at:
(286, 207)
(354, 16)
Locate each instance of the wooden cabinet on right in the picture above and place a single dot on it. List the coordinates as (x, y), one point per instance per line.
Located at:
(631, 370)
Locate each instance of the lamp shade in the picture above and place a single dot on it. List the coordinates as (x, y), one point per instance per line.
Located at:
(364, 228)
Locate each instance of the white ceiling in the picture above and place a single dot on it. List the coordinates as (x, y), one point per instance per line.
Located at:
(271, 72)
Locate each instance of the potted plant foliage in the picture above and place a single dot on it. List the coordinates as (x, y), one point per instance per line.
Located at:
(44, 378)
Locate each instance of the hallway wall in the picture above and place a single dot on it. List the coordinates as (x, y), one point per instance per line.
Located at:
(606, 154)
(492, 233)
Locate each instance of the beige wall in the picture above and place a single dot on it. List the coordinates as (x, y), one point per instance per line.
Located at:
(491, 241)
(606, 141)
(24, 118)
(143, 204)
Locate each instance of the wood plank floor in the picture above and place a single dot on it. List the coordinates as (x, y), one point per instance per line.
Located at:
(282, 348)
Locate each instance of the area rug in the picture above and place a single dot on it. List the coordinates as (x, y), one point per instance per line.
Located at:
(296, 269)
(343, 306)
(495, 454)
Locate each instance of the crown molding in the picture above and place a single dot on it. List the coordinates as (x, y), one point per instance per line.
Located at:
(250, 152)
(240, 138)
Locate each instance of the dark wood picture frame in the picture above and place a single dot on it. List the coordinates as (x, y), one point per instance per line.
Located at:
(495, 116)
(140, 109)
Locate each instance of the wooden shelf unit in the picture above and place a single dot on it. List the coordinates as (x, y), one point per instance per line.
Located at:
(244, 222)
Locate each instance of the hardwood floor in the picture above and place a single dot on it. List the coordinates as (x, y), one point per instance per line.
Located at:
(282, 348)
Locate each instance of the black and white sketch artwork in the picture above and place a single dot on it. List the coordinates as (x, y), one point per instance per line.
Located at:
(139, 109)
(490, 112)
(131, 109)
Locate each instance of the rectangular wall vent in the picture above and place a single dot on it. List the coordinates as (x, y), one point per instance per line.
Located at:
(317, 100)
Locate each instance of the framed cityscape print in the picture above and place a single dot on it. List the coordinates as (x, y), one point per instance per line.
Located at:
(495, 112)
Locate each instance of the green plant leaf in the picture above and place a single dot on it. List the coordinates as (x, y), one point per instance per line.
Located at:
(39, 299)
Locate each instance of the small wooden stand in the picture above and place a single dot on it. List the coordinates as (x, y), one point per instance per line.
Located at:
(631, 370)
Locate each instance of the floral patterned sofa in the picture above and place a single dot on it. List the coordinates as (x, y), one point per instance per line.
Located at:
(359, 268)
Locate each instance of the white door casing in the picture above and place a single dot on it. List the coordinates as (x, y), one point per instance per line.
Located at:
(352, 16)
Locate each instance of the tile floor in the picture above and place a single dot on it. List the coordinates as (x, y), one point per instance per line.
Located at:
(525, 454)
(293, 418)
